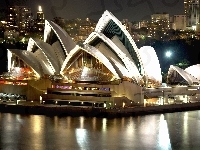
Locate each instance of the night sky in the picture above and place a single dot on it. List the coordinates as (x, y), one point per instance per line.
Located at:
(134, 10)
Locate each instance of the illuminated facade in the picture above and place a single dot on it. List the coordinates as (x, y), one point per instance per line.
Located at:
(88, 66)
(127, 24)
(40, 19)
(108, 68)
(40, 14)
(79, 29)
(19, 18)
(179, 22)
(159, 25)
(191, 8)
(143, 23)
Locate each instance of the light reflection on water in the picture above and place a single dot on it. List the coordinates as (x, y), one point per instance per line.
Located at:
(163, 134)
(160, 132)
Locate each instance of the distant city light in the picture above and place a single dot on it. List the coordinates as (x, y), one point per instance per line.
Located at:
(194, 28)
(168, 54)
(39, 8)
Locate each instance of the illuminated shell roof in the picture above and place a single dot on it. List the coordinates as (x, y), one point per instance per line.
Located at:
(66, 41)
(48, 53)
(194, 71)
(110, 26)
(129, 64)
(29, 58)
(185, 75)
(95, 53)
(110, 43)
(115, 36)
(150, 63)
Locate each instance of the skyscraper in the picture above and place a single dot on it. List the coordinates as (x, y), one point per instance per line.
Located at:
(178, 22)
(19, 18)
(159, 25)
(191, 8)
(40, 14)
(40, 19)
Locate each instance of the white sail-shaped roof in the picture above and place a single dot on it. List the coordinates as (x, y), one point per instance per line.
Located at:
(194, 70)
(95, 53)
(124, 57)
(151, 63)
(48, 52)
(66, 41)
(115, 61)
(104, 59)
(37, 61)
(29, 59)
(110, 43)
(185, 75)
(103, 23)
(58, 52)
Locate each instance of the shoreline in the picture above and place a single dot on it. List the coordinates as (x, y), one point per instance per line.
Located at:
(56, 110)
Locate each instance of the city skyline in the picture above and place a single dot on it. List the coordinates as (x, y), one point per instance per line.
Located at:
(128, 9)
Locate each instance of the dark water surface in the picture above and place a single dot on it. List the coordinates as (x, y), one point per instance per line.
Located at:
(176, 131)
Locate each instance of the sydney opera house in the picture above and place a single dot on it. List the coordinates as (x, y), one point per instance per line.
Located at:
(107, 70)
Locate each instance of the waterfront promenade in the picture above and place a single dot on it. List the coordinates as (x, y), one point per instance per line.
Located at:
(57, 110)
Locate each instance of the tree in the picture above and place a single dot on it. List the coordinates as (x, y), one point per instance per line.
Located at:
(183, 64)
(143, 31)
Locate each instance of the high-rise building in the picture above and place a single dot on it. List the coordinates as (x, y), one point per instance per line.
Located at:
(143, 23)
(159, 25)
(192, 12)
(40, 14)
(178, 22)
(127, 24)
(40, 19)
(19, 18)
(79, 29)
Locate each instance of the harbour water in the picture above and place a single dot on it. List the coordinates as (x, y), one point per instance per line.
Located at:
(176, 131)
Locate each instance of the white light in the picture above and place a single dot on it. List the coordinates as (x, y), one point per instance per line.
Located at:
(192, 89)
(85, 71)
(123, 105)
(18, 101)
(104, 105)
(39, 8)
(9, 60)
(168, 54)
(194, 27)
(17, 69)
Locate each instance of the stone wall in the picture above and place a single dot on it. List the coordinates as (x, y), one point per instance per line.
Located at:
(15, 89)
